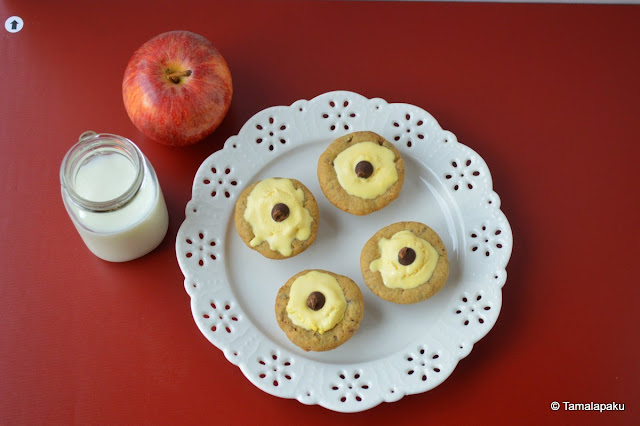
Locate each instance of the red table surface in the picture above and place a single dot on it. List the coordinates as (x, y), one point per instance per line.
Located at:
(546, 94)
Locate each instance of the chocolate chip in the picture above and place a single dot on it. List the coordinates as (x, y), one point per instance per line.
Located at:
(315, 301)
(406, 256)
(364, 169)
(280, 212)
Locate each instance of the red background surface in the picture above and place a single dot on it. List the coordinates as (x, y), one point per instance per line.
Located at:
(546, 94)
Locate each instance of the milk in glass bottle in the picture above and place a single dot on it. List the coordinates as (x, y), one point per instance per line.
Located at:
(113, 197)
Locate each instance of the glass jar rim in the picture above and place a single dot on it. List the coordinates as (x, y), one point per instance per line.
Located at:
(89, 142)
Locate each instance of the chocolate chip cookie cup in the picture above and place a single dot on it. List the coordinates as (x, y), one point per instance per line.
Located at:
(405, 262)
(277, 217)
(361, 172)
(319, 310)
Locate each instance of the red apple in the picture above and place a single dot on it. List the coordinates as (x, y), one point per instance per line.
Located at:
(177, 88)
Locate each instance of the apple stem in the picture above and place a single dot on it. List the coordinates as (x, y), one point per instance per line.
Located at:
(175, 76)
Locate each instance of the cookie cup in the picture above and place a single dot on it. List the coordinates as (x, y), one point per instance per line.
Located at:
(310, 340)
(337, 195)
(374, 281)
(246, 232)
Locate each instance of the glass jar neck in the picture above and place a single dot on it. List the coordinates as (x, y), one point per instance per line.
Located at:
(90, 145)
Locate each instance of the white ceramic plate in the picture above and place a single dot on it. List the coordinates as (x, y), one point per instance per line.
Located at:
(399, 349)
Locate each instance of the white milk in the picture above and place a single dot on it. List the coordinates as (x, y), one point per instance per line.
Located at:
(129, 231)
(105, 177)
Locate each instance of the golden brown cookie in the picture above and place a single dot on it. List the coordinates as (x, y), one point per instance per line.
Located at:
(405, 261)
(278, 217)
(354, 186)
(307, 338)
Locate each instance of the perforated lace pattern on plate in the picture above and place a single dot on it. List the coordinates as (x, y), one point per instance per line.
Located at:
(484, 246)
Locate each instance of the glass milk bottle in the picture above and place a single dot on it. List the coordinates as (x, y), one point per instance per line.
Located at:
(113, 197)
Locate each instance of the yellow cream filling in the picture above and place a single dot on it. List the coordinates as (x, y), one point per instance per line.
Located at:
(395, 275)
(384, 170)
(329, 315)
(279, 235)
